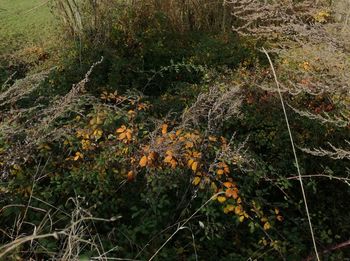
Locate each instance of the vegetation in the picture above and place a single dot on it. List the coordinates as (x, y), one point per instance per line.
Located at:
(176, 130)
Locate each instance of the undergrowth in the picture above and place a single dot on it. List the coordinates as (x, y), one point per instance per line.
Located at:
(156, 132)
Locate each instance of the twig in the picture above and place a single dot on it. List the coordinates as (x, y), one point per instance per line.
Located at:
(330, 249)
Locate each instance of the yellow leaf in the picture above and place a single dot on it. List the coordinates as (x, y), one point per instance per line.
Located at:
(212, 138)
(78, 155)
(194, 166)
(220, 172)
(279, 218)
(267, 226)
(143, 161)
(98, 120)
(98, 134)
(229, 208)
(221, 199)
(196, 181)
(168, 159)
(190, 162)
(277, 211)
(241, 219)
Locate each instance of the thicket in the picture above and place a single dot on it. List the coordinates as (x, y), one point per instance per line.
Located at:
(159, 134)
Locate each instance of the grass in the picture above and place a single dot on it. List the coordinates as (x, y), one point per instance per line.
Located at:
(25, 23)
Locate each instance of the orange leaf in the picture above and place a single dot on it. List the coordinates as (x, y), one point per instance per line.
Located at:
(238, 210)
(231, 193)
(122, 136)
(164, 129)
(143, 161)
(121, 129)
(168, 159)
(228, 184)
(130, 176)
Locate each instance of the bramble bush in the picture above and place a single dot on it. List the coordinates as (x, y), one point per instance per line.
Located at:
(174, 144)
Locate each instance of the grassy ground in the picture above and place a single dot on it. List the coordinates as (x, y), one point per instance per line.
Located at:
(24, 23)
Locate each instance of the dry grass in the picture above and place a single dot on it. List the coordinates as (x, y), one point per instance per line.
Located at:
(183, 15)
(78, 236)
(36, 123)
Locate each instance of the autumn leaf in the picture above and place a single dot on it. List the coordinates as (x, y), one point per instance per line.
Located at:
(221, 199)
(220, 172)
(228, 184)
(267, 226)
(122, 136)
(164, 129)
(121, 129)
(78, 155)
(168, 159)
(239, 210)
(231, 193)
(212, 138)
(229, 208)
(194, 166)
(189, 144)
(130, 176)
(196, 181)
(97, 134)
(143, 161)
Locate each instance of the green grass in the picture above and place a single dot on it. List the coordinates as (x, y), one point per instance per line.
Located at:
(25, 23)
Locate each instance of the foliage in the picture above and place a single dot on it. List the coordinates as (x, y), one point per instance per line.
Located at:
(173, 145)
